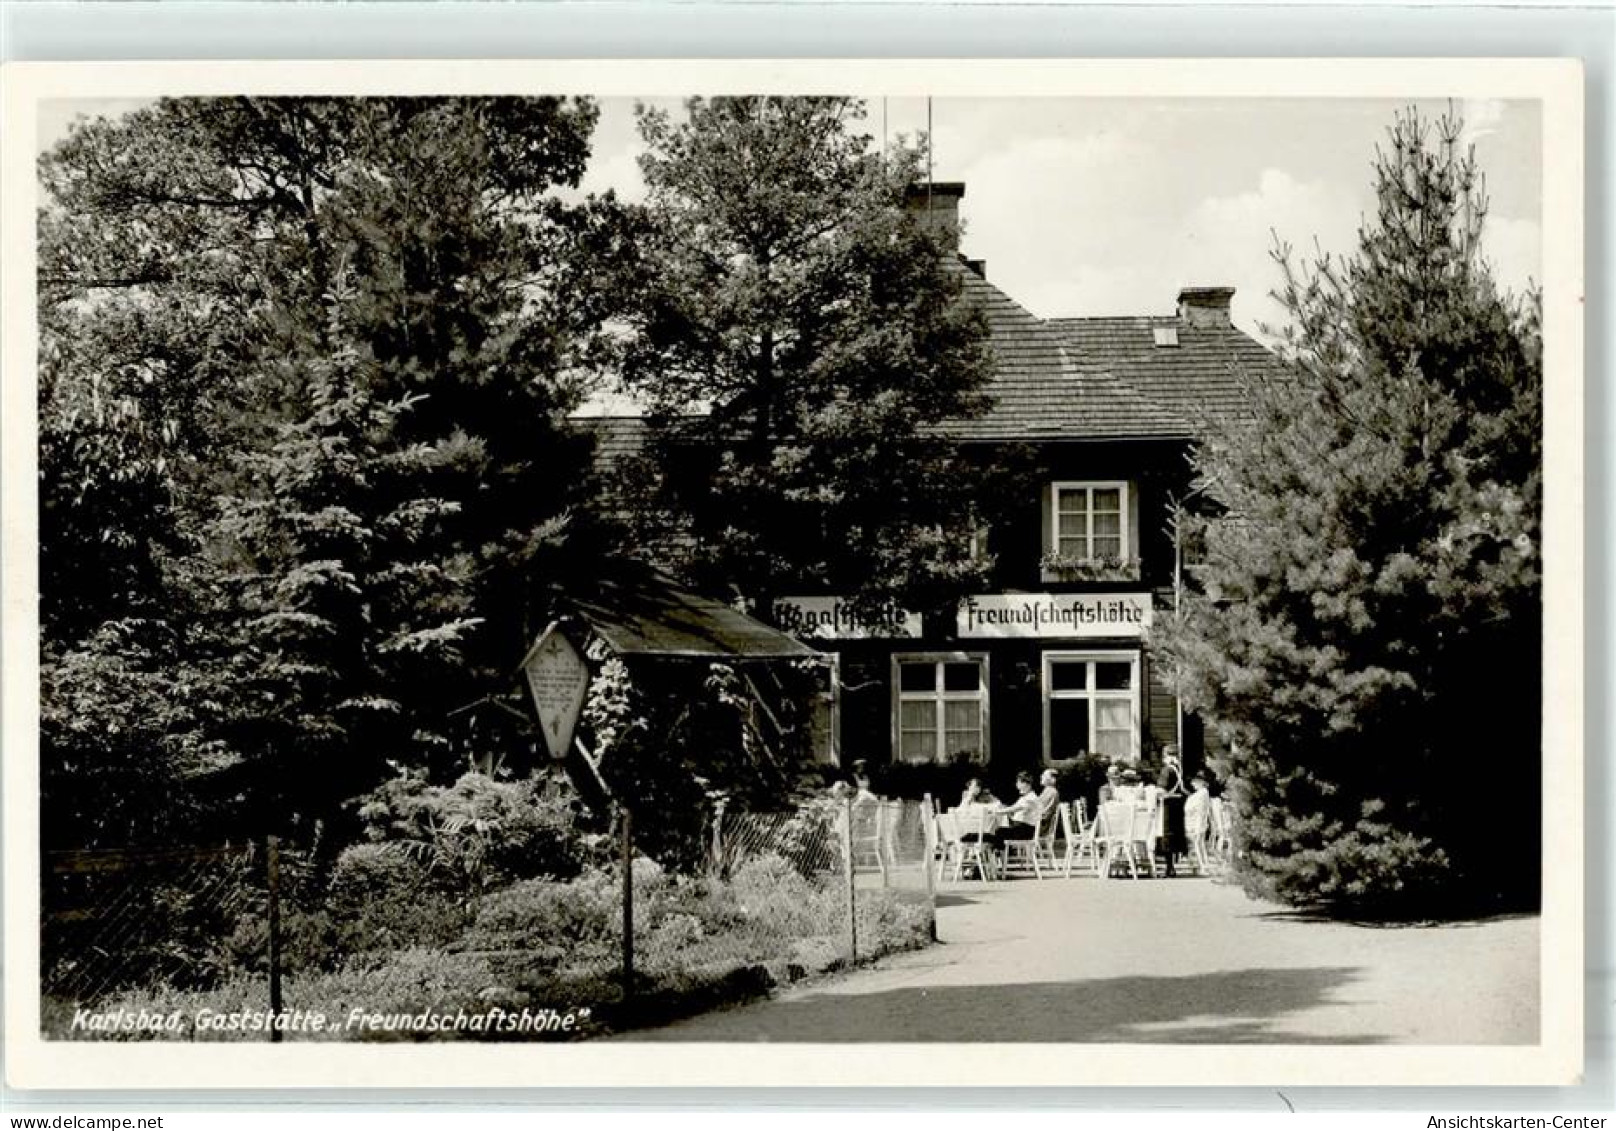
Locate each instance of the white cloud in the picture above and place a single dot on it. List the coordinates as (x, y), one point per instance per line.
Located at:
(1482, 117)
(1231, 238)
(1107, 227)
(1515, 250)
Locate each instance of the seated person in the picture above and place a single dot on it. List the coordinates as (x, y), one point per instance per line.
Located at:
(861, 783)
(977, 805)
(977, 794)
(1048, 796)
(1130, 789)
(1113, 781)
(1024, 812)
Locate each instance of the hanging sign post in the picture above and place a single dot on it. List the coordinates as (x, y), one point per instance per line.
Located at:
(558, 679)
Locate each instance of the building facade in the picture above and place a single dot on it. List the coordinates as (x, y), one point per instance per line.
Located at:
(1053, 659)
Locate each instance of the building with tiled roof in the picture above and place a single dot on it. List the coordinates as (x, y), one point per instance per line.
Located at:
(1054, 659)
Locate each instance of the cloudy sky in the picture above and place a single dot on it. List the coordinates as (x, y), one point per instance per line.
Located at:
(1088, 206)
(1109, 206)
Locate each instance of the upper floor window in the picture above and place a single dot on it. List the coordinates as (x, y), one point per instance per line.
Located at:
(1090, 521)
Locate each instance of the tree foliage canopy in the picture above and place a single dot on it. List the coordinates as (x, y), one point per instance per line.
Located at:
(304, 370)
(1363, 632)
(798, 335)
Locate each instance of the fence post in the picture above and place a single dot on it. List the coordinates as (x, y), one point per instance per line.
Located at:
(628, 904)
(718, 838)
(272, 869)
(928, 849)
(848, 874)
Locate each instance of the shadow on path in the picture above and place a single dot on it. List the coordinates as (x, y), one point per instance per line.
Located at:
(1232, 1007)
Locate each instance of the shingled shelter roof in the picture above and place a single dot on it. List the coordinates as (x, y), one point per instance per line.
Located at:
(649, 615)
(616, 438)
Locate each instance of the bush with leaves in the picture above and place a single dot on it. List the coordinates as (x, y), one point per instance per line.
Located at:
(476, 834)
(675, 737)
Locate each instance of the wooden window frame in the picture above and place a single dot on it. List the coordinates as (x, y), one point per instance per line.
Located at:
(939, 697)
(1093, 656)
(834, 675)
(1089, 486)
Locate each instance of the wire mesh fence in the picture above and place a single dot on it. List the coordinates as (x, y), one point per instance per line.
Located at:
(790, 894)
(117, 919)
(257, 934)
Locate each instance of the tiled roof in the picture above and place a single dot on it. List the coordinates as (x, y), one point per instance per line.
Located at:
(1041, 389)
(1205, 374)
(1071, 378)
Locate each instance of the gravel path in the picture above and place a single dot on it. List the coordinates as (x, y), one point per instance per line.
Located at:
(1181, 961)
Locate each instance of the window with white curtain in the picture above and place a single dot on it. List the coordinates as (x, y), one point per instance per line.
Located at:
(940, 706)
(1091, 704)
(1090, 521)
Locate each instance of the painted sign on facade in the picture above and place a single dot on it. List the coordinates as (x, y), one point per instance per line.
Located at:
(1063, 615)
(830, 618)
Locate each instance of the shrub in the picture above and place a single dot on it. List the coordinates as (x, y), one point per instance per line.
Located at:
(382, 897)
(700, 942)
(945, 781)
(576, 914)
(405, 982)
(809, 837)
(476, 834)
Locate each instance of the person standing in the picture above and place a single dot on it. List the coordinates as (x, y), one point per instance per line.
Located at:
(1171, 783)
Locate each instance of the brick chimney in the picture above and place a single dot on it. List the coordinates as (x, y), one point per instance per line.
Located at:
(937, 206)
(1205, 306)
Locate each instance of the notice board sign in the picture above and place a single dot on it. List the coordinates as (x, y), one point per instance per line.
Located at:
(558, 679)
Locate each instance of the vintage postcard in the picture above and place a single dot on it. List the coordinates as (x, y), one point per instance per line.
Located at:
(786, 573)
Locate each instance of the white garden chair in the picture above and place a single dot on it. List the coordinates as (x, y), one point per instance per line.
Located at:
(965, 844)
(874, 827)
(1078, 832)
(1023, 851)
(1125, 829)
(1050, 824)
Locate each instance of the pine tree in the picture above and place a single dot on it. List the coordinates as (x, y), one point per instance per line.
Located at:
(1363, 633)
(320, 352)
(798, 336)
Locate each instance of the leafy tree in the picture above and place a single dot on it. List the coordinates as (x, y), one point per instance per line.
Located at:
(798, 336)
(1364, 632)
(305, 367)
